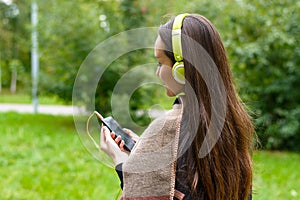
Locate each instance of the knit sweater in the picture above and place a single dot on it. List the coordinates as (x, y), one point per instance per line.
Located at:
(149, 173)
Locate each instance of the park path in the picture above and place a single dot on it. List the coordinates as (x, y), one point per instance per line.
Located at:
(45, 109)
(60, 109)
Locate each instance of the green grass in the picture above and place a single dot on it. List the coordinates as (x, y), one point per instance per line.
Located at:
(42, 157)
(277, 175)
(23, 98)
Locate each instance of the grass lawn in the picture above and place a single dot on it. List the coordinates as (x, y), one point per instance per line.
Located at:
(42, 157)
(277, 176)
(25, 98)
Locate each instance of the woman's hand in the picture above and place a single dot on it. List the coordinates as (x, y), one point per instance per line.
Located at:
(121, 143)
(110, 147)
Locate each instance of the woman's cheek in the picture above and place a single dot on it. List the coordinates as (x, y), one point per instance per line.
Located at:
(166, 74)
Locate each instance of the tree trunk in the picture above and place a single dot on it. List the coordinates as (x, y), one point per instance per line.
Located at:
(13, 83)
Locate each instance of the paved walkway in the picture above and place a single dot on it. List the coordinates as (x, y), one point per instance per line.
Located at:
(60, 110)
(46, 109)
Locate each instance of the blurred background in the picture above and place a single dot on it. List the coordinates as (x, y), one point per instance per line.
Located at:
(41, 156)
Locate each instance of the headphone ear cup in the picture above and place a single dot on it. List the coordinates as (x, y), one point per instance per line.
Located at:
(178, 72)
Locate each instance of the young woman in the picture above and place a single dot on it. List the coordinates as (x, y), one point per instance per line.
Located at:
(201, 149)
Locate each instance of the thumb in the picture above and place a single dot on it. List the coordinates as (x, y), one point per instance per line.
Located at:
(106, 133)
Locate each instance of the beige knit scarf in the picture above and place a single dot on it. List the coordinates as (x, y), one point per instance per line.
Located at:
(149, 173)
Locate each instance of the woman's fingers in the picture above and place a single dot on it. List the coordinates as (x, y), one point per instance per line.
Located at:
(118, 139)
(134, 136)
(103, 144)
(109, 146)
(112, 134)
(121, 143)
(122, 146)
(107, 136)
(106, 132)
(129, 132)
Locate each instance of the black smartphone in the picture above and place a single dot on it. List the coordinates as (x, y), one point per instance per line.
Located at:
(115, 127)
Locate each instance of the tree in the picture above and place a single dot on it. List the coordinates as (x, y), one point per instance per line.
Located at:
(123, 17)
(69, 30)
(14, 43)
(268, 59)
(16, 67)
(261, 40)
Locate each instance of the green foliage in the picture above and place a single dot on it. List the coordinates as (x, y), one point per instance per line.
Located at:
(69, 30)
(14, 42)
(15, 65)
(266, 60)
(261, 38)
(133, 9)
(130, 15)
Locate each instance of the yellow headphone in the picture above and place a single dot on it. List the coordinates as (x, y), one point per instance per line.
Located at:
(178, 67)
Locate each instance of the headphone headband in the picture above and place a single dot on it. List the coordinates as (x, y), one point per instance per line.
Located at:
(176, 36)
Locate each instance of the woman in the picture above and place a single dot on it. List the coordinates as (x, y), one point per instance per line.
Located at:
(201, 149)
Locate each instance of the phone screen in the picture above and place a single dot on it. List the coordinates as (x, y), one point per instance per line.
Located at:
(114, 126)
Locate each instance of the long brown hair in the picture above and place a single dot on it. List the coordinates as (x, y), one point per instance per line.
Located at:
(226, 172)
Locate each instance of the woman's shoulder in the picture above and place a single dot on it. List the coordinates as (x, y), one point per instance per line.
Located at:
(166, 122)
(169, 115)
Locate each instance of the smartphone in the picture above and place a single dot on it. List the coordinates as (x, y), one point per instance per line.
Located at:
(115, 127)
